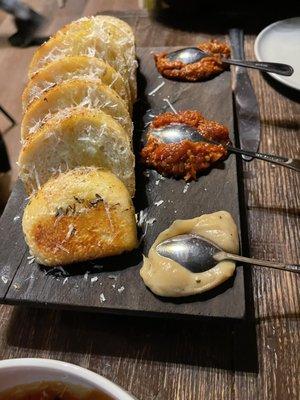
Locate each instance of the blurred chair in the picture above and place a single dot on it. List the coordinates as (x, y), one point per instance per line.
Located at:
(28, 22)
(5, 175)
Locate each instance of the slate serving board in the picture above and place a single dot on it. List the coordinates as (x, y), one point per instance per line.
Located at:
(114, 285)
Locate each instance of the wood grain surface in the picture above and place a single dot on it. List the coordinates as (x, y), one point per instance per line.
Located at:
(162, 360)
(114, 285)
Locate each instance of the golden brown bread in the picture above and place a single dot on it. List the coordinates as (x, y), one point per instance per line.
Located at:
(81, 215)
(77, 151)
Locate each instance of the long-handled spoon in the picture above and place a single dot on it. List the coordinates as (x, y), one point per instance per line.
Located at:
(199, 254)
(174, 133)
(190, 55)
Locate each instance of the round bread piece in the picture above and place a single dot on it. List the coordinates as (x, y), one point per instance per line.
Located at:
(104, 37)
(84, 137)
(67, 68)
(89, 93)
(81, 215)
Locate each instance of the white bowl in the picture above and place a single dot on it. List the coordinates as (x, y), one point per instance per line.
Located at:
(20, 371)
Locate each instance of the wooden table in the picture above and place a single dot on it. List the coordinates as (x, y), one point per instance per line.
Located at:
(158, 359)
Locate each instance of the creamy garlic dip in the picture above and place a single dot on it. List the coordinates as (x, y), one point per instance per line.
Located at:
(168, 278)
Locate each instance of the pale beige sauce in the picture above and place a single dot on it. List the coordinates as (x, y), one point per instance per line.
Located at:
(168, 278)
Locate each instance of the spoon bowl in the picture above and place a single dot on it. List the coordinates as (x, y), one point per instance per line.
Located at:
(191, 251)
(198, 254)
(177, 132)
(188, 55)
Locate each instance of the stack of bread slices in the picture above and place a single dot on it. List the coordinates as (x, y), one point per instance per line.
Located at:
(76, 161)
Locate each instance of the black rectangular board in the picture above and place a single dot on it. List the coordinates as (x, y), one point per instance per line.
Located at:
(113, 285)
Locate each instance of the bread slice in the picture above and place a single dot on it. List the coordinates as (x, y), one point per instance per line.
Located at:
(84, 137)
(67, 68)
(89, 93)
(104, 37)
(81, 215)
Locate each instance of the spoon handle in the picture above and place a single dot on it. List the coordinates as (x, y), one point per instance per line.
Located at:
(276, 68)
(292, 163)
(263, 263)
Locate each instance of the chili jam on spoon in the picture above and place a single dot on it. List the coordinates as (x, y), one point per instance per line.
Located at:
(185, 158)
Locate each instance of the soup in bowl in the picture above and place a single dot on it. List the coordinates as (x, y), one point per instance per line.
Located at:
(42, 379)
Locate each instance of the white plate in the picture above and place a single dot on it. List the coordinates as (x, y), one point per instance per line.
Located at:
(280, 42)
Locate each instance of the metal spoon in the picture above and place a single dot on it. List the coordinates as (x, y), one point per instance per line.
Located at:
(198, 254)
(174, 133)
(190, 55)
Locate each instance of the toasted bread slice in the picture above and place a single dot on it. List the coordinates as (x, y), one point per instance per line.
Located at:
(67, 68)
(104, 37)
(80, 215)
(85, 137)
(89, 93)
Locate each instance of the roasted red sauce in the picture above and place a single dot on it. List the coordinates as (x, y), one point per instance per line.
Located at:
(185, 159)
(201, 70)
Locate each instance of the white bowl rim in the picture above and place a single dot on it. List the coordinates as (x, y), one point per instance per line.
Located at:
(259, 56)
(91, 377)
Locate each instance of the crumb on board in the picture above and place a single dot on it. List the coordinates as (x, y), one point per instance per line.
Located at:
(102, 298)
(156, 89)
(170, 105)
(16, 286)
(85, 276)
(150, 221)
(186, 186)
(30, 259)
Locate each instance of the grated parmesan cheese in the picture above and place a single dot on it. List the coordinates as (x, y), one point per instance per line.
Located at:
(102, 298)
(62, 248)
(71, 231)
(121, 289)
(185, 189)
(170, 105)
(156, 89)
(150, 221)
(85, 276)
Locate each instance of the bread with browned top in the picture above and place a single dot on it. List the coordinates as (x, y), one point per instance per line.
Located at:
(81, 215)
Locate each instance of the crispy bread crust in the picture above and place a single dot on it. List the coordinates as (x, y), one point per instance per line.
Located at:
(81, 215)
